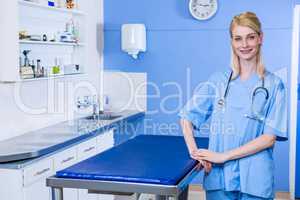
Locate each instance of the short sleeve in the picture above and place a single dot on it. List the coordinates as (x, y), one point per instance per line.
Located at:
(276, 120)
(200, 107)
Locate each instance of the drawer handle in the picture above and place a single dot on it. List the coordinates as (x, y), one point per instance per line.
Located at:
(89, 149)
(42, 172)
(66, 160)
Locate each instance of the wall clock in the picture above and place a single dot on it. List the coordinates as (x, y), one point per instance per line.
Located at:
(203, 9)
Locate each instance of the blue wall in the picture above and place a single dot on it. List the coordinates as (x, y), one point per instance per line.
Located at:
(175, 42)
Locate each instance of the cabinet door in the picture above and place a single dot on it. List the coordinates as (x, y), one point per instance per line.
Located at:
(105, 141)
(11, 184)
(9, 49)
(37, 191)
(35, 180)
(63, 160)
(86, 149)
(102, 143)
(37, 172)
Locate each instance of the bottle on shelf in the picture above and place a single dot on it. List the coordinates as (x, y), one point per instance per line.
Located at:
(70, 32)
(56, 69)
(26, 69)
(33, 69)
(38, 69)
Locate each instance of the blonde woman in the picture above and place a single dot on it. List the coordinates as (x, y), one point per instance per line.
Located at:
(247, 106)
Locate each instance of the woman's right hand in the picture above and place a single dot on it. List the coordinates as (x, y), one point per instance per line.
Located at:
(206, 165)
(203, 164)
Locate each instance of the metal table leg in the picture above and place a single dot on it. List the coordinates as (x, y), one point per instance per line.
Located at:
(137, 196)
(161, 197)
(57, 193)
(184, 194)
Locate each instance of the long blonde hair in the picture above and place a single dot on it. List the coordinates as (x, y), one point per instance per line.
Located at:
(250, 20)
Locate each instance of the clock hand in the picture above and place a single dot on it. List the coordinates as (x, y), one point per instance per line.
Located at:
(203, 5)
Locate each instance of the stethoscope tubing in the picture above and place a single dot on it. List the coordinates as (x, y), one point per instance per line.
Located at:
(257, 90)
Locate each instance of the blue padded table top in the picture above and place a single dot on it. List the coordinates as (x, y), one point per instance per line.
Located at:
(152, 159)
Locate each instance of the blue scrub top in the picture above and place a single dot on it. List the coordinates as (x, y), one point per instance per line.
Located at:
(230, 129)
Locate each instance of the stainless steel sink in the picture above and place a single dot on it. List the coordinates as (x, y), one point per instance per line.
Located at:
(103, 116)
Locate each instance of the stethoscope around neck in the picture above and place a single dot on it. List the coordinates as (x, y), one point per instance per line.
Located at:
(255, 114)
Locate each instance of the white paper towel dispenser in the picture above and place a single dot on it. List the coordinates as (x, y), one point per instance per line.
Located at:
(133, 39)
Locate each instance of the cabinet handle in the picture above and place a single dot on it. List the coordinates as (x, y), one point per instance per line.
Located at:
(89, 149)
(68, 159)
(42, 172)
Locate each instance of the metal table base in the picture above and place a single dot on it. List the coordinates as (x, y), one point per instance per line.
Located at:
(162, 192)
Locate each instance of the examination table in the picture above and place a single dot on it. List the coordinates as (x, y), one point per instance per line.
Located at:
(152, 164)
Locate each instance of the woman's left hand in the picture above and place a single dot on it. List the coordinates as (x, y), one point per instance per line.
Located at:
(214, 157)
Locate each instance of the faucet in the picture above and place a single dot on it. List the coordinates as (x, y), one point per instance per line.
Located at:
(86, 102)
(89, 101)
(95, 106)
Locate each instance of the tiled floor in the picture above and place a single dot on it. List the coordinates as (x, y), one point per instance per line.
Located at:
(197, 193)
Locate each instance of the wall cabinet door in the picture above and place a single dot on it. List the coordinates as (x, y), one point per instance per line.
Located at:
(9, 49)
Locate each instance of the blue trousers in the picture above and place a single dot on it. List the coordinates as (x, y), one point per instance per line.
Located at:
(224, 195)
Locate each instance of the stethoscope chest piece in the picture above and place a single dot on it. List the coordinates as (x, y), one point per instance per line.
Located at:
(221, 103)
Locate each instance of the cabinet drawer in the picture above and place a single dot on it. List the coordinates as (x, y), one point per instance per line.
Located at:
(86, 149)
(65, 159)
(38, 171)
(105, 141)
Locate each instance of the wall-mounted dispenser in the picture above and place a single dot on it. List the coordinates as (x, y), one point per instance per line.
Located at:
(133, 39)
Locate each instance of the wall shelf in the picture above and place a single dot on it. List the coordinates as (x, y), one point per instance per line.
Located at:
(50, 43)
(39, 19)
(32, 4)
(54, 77)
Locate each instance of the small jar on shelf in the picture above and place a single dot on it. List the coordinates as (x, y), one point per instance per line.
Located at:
(70, 4)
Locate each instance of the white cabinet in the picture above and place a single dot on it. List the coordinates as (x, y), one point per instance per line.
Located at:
(38, 20)
(29, 183)
(34, 180)
(9, 49)
(38, 171)
(97, 145)
(105, 141)
(86, 149)
(63, 160)
(37, 190)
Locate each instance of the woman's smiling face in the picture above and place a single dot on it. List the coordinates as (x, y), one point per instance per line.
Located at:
(245, 42)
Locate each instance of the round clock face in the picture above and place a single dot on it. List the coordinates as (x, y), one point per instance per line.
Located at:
(203, 9)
